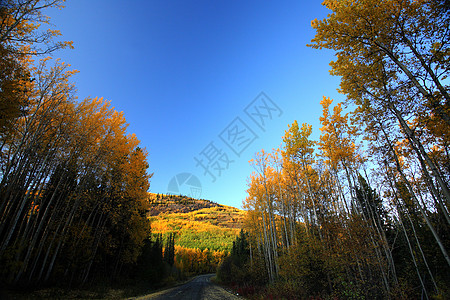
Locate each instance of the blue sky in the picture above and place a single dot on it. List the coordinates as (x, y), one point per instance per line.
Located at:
(188, 76)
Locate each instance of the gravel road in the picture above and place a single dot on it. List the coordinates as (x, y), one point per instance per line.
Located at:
(199, 288)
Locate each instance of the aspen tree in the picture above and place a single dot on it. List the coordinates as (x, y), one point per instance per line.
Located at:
(384, 56)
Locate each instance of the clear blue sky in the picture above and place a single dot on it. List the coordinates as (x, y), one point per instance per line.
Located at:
(187, 75)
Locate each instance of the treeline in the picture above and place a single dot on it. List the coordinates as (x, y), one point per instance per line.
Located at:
(212, 228)
(363, 212)
(73, 183)
(202, 238)
(162, 203)
(163, 262)
(193, 261)
(215, 239)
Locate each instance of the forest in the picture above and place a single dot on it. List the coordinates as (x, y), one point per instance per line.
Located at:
(73, 182)
(203, 231)
(363, 211)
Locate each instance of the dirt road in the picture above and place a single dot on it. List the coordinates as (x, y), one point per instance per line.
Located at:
(199, 288)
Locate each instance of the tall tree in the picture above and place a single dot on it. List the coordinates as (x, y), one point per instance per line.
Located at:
(392, 58)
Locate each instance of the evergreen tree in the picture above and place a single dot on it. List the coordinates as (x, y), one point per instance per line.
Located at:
(370, 203)
(240, 252)
(169, 250)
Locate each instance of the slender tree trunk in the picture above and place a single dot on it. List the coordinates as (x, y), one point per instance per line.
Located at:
(418, 205)
(419, 149)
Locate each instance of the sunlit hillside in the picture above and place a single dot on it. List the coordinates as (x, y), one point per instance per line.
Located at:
(197, 223)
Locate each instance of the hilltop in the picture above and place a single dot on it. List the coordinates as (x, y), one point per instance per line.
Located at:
(162, 203)
(198, 224)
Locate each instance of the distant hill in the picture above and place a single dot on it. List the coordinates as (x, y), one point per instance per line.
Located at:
(198, 224)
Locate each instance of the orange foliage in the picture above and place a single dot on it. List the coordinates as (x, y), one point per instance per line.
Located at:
(196, 261)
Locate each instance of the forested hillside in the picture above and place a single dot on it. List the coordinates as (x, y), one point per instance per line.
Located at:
(203, 231)
(362, 212)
